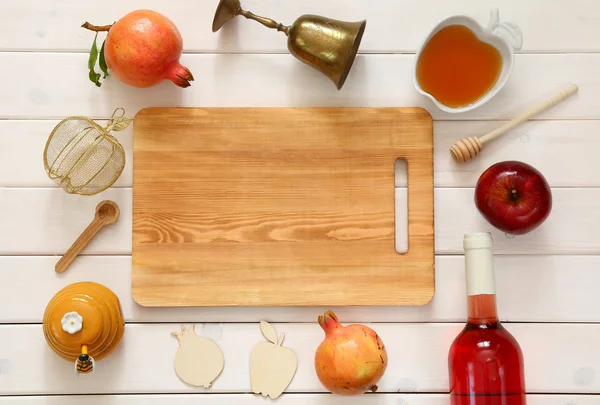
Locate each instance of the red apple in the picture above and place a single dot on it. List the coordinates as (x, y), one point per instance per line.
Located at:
(513, 196)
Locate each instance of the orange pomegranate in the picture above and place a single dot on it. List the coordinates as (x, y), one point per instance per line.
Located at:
(351, 359)
(142, 49)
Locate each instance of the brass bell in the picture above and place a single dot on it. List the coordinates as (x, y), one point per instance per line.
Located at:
(327, 45)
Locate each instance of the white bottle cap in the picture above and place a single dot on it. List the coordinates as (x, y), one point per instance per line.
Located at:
(479, 263)
(478, 240)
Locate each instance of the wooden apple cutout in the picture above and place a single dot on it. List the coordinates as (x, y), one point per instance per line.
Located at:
(199, 360)
(272, 366)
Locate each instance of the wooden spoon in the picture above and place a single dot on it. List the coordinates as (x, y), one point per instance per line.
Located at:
(466, 149)
(107, 212)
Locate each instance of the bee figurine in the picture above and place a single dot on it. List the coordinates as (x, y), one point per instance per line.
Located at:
(85, 363)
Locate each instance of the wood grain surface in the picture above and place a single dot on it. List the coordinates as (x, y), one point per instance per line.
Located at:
(279, 206)
(547, 279)
(539, 143)
(45, 221)
(547, 283)
(393, 25)
(267, 80)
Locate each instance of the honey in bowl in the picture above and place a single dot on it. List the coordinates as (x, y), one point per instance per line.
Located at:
(457, 68)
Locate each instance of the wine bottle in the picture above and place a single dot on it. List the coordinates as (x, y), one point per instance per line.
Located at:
(485, 361)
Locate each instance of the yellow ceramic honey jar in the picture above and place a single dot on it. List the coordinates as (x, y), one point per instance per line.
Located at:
(84, 322)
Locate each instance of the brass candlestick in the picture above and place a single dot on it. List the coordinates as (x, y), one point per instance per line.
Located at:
(327, 45)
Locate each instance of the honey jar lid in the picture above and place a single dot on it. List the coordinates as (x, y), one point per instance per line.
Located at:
(83, 314)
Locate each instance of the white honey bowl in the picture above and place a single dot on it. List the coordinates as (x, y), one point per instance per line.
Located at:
(506, 37)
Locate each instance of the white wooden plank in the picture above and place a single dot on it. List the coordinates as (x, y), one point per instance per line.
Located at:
(530, 289)
(62, 88)
(285, 399)
(51, 220)
(392, 25)
(570, 228)
(417, 354)
(565, 152)
(575, 144)
(22, 145)
(46, 221)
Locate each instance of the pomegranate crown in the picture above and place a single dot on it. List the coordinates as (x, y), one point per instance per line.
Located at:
(329, 321)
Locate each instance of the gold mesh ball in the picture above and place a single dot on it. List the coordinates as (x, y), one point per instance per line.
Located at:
(82, 157)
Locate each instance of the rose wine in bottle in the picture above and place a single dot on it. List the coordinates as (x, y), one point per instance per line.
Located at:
(485, 361)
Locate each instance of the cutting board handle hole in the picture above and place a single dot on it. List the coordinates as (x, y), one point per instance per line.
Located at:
(401, 212)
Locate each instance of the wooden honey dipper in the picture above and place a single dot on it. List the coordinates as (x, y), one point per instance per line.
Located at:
(467, 148)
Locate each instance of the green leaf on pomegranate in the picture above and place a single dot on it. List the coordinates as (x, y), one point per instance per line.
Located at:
(95, 77)
(93, 54)
(102, 61)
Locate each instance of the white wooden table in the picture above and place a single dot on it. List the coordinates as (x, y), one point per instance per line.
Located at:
(547, 280)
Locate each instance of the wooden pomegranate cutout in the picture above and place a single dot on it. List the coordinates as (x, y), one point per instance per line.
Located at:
(199, 360)
(272, 366)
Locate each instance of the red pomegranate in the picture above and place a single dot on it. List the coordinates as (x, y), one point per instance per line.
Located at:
(143, 48)
(351, 359)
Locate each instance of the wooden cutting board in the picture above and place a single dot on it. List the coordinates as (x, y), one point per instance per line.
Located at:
(280, 206)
